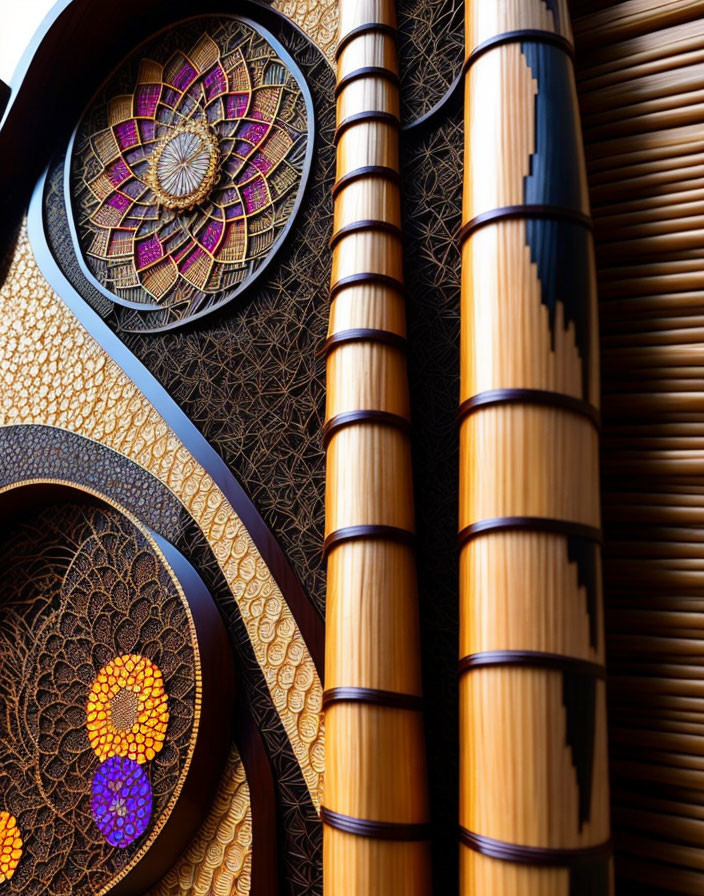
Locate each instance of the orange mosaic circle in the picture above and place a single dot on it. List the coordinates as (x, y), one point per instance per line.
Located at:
(128, 710)
(10, 846)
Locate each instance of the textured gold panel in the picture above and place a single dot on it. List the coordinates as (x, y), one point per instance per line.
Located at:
(320, 19)
(54, 373)
(219, 861)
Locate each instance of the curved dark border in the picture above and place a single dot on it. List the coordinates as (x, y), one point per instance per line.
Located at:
(376, 830)
(305, 614)
(365, 225)
(390, 174)
(367, 28)
(350, 418)
(372, 116)
(367, 278)
(72, 38)
(355, 533)
(529, 524)
(453, 92)
(522, 212)
(520, 36)
(372, 697)
(535, 855)
(539, 397)
(367, 71)
(534, 659)
(365, 334)
(148, 308)
(128, 491)
(213, 737)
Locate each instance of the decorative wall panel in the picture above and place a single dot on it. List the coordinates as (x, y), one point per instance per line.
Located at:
(94, 398)
(104, 696)
(188, 168)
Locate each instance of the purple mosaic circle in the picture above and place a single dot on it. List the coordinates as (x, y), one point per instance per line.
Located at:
(121, 801)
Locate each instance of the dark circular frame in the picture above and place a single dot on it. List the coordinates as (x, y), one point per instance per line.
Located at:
(212, 736)
(148, 308)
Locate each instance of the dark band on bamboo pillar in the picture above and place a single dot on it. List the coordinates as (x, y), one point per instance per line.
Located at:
(367, 28)
(367, 71)
(372, 697)
(541, 397)
(524, 212)
(522, 35)
(355, 533)
(365, 225)
(536, 855)
(376, 830)
(529, 524)
(390, 174)
(350, 418)
(368, 278)
(373, 116)
(364, 334)
(530, 658)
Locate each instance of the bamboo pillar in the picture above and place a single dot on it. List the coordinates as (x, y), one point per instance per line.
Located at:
(534, 817)
(376, 812)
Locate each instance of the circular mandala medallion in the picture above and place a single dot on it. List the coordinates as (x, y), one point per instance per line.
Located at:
(188, 168)
(112, 714)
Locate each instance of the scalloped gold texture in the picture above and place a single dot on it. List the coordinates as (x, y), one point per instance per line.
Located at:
(54, 373)
(219, 860)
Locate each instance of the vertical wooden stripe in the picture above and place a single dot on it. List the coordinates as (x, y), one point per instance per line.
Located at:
(376, 810)
(533, 768)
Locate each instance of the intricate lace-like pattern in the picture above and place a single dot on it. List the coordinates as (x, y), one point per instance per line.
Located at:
(57, 375)
(80, 586)
(187, 168)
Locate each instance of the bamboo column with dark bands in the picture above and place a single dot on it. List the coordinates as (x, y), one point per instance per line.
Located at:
(375, 803)
(534, 817)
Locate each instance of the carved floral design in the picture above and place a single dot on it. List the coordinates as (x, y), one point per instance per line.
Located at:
(183, 186)
(127, 713)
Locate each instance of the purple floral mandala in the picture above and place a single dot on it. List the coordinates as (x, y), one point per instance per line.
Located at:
(189, 166)
(121, 801)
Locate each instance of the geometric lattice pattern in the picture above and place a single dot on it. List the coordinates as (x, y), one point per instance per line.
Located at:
(183, 183)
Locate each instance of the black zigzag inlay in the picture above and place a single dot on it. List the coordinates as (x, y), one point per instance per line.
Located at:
(560, 249)
(554, 174)
(590, 880)
(554, 9)
(583, 552)
(579, 700)
(561, 252)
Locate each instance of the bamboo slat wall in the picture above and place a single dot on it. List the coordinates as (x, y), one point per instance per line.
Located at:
(534, 802)
(640, 87)
(376, 810)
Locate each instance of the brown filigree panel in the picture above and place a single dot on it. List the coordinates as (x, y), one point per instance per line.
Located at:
(187, 169)
(431, 52)
(251, 377)
(99, 697)
(49, 453)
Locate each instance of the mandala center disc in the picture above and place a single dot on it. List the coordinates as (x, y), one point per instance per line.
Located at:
(184, 167)
(124, 709)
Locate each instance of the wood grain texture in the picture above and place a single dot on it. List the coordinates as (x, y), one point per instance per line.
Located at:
(639, 76)
(375, 753)
(533, 772)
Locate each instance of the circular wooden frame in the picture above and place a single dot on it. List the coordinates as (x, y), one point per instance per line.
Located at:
(211, 734)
